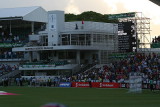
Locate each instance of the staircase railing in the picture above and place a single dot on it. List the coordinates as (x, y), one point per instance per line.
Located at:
(11, 74)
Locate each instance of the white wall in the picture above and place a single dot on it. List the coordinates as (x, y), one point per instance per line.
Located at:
(54, 26)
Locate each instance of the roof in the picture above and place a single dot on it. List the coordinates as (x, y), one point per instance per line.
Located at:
(35, 13)
(156, 2)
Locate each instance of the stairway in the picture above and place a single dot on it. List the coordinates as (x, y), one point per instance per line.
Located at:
(11, 74)
(86, 68)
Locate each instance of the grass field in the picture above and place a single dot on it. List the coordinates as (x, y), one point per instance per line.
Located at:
(78, 97)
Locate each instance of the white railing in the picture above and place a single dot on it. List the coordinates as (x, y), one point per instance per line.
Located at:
(46, 67)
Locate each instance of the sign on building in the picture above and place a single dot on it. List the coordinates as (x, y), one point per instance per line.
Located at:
(122, 15)
(52, 22)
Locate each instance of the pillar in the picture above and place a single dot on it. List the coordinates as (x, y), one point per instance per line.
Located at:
(99, 56)
(38, 56)
(30, 56)
(78, 57)
(32, 27)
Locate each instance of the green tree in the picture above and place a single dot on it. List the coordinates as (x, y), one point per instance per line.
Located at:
(89, 16)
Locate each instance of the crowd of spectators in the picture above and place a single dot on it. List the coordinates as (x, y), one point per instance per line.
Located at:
(147, 65)
(32, 81)
(10, 54)
(6, 51)
(39, 81)
(6, 68)
(9, 37)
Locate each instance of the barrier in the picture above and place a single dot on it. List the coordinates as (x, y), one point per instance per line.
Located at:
(80, 84)
(108, 85)
(95, 84)
(65, 84)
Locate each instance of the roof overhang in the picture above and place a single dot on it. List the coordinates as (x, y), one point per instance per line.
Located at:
(12, 18)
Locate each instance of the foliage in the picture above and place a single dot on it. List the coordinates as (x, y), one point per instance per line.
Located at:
(89, 16)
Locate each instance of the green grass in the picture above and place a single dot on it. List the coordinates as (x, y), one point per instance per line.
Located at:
(78, 97)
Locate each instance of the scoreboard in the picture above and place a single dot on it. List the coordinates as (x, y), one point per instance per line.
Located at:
(127, 37)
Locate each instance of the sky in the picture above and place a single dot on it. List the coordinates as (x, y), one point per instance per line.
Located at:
(148, 8)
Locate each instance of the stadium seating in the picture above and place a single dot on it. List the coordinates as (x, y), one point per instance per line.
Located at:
(118, 71)
(6, 68)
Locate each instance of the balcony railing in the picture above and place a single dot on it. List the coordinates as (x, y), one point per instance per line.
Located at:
(43, 64)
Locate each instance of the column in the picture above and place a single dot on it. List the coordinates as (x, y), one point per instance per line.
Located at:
(89, 57)
(70, 38)
(10, 29)
(85, 39)
(32, 27)
(30, 56)
(38, 56)
(99, 56)
(78, 57)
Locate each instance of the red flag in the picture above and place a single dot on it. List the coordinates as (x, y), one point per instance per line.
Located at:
(82, 21)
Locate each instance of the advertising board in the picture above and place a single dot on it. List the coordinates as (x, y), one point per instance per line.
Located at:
(65, 84)
(95, 84)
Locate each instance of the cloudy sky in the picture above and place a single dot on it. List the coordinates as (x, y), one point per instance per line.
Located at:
(148, 8)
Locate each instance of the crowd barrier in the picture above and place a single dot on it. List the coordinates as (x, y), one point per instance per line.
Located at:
(65, 84)
(101, 85)
(95, 84)
(87, 84)
(91, 84)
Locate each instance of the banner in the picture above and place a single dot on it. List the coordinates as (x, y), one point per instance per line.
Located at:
(108, 85)
(80, 84)
(122, 15)
(95, 84)
(65, 84)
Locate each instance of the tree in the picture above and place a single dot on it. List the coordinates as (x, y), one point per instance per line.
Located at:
(89, 16)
